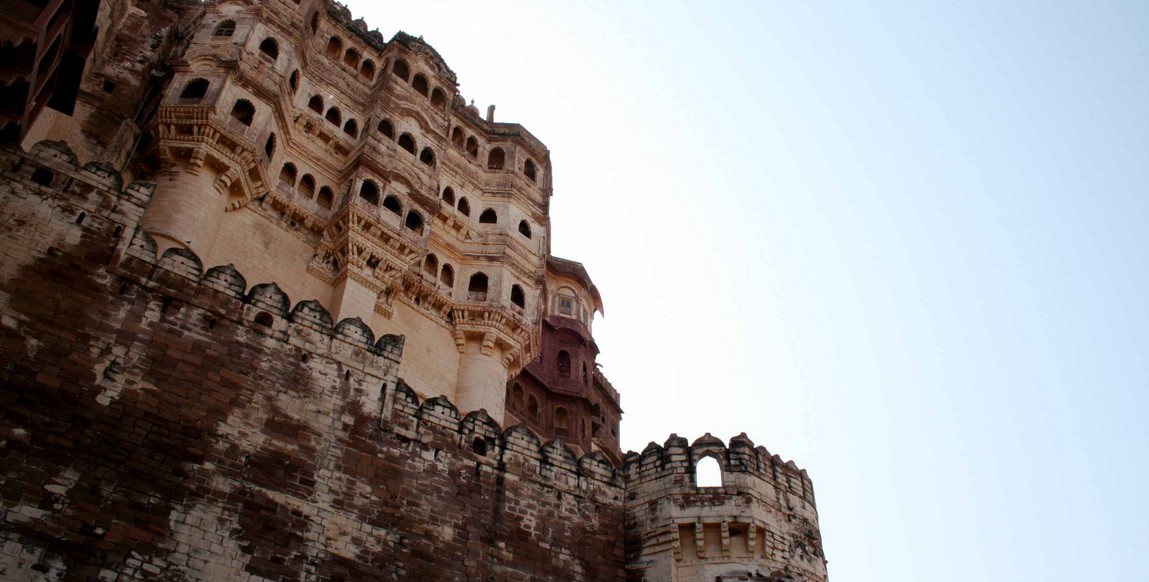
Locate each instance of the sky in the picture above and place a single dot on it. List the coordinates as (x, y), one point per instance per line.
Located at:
(901, 243)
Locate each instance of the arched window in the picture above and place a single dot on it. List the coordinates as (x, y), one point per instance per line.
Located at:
(496, 159)
(269, 48)
(707, 472)
(517, 296)
(269, 147)
(427, 157)
(386, 129)
(457, 137)
(307, 185)
(563, 364)
(367, 71)
(334, 116)
(431, 265)
(293, 82)
(585, 376)
(315, 22)
(369, 192)
(438, 98)
(414, 221)
(449, 196)
(326, 197)
(529, 170)
(533, 406)
(287, 176)
(464, 206)
(407, 142)
(225, 29)
(488, 217)
(243, 111)
(561, 421)
(477, 287)
(517, 397)
(351, 128)
(524, 228)
(447, 275)
(315, 104)
(334, 47)
(392, 203)
(473, 147)
(195, 90)
(419, 83)
(401, 70)
(43, 176)
(351, 58)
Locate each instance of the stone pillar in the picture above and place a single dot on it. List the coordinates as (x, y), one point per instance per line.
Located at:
(482, 381)
(186, 209)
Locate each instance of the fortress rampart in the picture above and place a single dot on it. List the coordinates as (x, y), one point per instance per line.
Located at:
(261, 337)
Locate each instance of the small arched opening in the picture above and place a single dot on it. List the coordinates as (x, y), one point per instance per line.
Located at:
(438, 98)
(431, 265)
(315, 104)
(401, 70)
(496, 159)
(315, 22)
(386, 129)
(307, 185)
(707, 472)
(369, 192)
(427, 156)
(414, 221)
(392, 203)
(489, 217)
(477, 287)
(43, 176)
(334, 47)
(407, 142)
(529, 170)
(563, 364)
(473, 147)
(524, 228)
(447, 275)
(195, 90)
(326, 197)
(518, 297)
(293, 82)
(533, 406)
(367, 70)
(419, 83)
(334, 116)
(517, 399)
(457, 137)
(351, 128)
(269, 48)
(562, 421)
(449, 196)
(351, 58)
(243, 111)
(464, 206)
(287, 176)
(269, 146)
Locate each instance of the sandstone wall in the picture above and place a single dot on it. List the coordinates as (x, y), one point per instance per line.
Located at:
(163, 421)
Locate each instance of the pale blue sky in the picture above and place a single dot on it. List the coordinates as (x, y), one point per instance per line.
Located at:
(901, 243)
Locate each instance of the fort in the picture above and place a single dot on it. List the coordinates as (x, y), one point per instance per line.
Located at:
(278, 304)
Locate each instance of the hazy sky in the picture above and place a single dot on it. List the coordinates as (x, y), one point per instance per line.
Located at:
(901, 243)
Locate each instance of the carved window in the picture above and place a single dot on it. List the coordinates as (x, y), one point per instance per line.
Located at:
(488, 217)
(563, 362)
(407, 142)
(414, 222)
(496, 159)
(334, 116)
(457, 137)
(392, 203)
(307, 185)
(438, 98)
(225, 29)
(477, 287)
(447, 275)
(524, 228)
(351, 128)
(518, 297)
(243, 111)
(427, 156)
(473, 147)
(367, 71)
(326, 197)
(449, 195)
(351, 58)
(529, 170)
(401, 70)
(419, 83)
(315, 104)
(287, 177)
(464, 206)
(195, 90)
(369, 192)
(566, 305)
(707, 472)
(386, 129)
(334, 47)
(269, 48)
